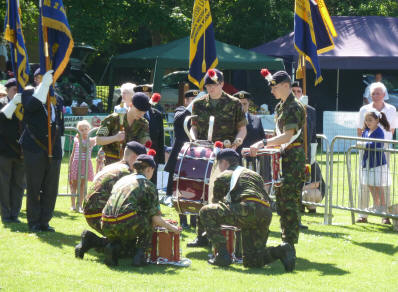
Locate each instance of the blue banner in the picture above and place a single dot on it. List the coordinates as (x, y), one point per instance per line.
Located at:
(55, 37)
(202, 47)
(13, 34)
(313, 31)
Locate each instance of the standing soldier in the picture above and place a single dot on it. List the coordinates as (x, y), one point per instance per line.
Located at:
(42, 172)
(136, 128)
(131, 211)
(229, 122)
(12, 175)
(289, 118)
(99, 194)
(239, 199)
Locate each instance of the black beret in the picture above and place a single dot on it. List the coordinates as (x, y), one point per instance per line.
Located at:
(11, 82)
(147, 159)
(136, 147)
(296, 84)
(191, 93)
(227, 153)
(279, 77)
(37, 72)
(243, 94)
(143, 88)
(141, 101)
(218, 79)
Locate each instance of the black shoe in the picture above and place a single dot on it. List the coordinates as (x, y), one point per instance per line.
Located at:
(35, 228)
(304, 227)
(47, 228)
(311, 211)
(89, 240)
(139, 258)
(221, 259)
(199, 242)
(184, 226)
(111, 252)
(192, 221)
(288, 257)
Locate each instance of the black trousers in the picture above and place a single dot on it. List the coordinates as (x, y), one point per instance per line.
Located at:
(42, 179)
(12, 184)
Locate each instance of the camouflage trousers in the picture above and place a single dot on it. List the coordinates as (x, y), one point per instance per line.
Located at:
(92, 209)
(136, 231)
(288, 194)
(251, 217)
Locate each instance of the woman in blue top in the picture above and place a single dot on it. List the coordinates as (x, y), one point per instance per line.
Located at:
(375, 172)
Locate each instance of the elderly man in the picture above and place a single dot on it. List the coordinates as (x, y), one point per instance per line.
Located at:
(377, 92)
(127, 91)
(289, 118)
(12, 176)
(367, 97)
(229, 122)
(136, 128)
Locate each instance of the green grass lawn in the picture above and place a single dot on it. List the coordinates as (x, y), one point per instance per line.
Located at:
(341, 257)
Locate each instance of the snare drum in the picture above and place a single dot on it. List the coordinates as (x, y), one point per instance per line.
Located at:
(229, 233)
(165, 246)
(192, 176)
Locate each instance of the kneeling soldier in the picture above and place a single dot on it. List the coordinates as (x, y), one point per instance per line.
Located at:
(240, 200)
(131, 211)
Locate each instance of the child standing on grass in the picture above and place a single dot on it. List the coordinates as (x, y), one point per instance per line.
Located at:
(84, 128)
(375, 172)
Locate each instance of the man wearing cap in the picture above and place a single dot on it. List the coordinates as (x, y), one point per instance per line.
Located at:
(42, 172)
(239, 199)
(181, 137)
(289, 120)
(99, 194)
(131, 211)
(12, 175)
(229, 119)
(156, 128)
(136, 128)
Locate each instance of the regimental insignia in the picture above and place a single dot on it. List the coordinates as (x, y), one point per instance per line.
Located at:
(145, 88)
(273, 82)
(241, 95)
(195, 93)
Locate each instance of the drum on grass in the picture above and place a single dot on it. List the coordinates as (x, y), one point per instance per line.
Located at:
(165, 246)
(192, 176)
(229, 233)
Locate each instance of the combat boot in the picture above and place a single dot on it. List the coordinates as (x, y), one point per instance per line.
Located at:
(222, 258)
(288, 256)
(139, 258)
(111, 252)
(89, 240)
(200, 241)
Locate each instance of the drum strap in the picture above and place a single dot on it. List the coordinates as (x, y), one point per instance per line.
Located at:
(234, 180)
(284, 146)
(137, 176)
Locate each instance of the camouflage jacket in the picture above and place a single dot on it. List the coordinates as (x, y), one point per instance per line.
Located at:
(106, 178)
(290, 115)
(132, 194)
(110, 126)
(228, 117)
(249, 184)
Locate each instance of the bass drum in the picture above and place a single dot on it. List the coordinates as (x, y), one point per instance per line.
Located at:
(192, 177)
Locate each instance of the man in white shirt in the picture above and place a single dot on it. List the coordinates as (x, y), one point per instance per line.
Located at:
(377, 91)
(367, 98)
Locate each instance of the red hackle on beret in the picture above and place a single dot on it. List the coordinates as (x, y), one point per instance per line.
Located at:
(151, 152)
(218, 144)
(148, 144)
(155, 98)
(213, 75)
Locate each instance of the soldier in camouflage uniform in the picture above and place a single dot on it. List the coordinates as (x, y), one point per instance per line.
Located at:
(99, 194)
(229, 122)
(239, 199)
(289, 118)
(130, 212)
(136, 128)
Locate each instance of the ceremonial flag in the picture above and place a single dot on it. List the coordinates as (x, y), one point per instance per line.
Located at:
(202, 45)
(55, 38)
(313, 34)
(13, 34)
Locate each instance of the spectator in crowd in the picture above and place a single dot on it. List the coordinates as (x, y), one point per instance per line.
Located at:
(12, 178)
(378, 92)
(375, 173)
(84, 127)
(367, 98)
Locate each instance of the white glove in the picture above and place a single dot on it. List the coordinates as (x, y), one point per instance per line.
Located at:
(9, 109)
(42, 90)
(17, 98)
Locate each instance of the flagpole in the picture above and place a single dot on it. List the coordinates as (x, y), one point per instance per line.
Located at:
(48, 65)
(305, 108)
